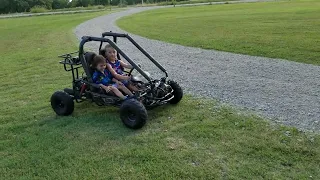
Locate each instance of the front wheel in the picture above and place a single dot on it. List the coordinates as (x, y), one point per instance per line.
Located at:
(177, 92)
(133, 114)
(62, 103)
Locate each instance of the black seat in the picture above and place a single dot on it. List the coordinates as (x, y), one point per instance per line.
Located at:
(89, 60)
(102, 52)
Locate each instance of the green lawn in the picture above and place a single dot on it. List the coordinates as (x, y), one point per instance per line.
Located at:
(288, 29)
(195, 139)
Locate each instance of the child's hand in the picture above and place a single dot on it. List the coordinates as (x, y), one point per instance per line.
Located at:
(119, 83)
(127, 77)
(106, 88)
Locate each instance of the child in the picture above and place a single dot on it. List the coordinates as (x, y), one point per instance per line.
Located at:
(103, 77)
(116, 66)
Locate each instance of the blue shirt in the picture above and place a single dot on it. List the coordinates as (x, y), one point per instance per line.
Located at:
(102, 78)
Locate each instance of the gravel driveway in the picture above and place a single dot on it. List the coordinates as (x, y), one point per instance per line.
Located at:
(287, 92)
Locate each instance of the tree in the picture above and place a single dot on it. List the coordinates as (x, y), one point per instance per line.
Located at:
(59, 4)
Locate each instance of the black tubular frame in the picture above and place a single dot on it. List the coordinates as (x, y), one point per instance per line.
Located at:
(73, 66)
(86, 67)
(116, 35)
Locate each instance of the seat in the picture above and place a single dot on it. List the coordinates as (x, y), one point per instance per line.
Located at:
(102, 52)
(89, 60)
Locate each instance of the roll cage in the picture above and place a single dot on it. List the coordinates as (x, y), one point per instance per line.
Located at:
(102, 39)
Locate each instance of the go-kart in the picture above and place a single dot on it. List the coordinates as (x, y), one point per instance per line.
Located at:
(133, 113)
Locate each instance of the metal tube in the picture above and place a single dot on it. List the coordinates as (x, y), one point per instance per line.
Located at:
(147, 54)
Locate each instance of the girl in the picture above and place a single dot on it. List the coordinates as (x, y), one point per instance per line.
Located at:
(103, 77)
(115, 67)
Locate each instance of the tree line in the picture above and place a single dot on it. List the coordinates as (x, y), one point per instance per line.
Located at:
(12, 6)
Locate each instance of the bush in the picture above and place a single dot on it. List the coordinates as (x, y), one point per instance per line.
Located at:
(101, 7)
(38, 9)
(123, 3)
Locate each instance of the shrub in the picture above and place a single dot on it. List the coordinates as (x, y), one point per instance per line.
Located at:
(101, 7)
(123, 3)
(38, 9)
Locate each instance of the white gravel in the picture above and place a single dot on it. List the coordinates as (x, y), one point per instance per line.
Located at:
(288, 92)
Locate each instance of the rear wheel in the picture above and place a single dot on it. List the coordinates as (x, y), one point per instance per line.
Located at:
(133, 114)
(62, 103)
(177, 92)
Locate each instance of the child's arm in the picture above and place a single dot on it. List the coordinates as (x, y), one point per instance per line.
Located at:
(95, 78)
(125, 65)
(115, 74)
(116, 81)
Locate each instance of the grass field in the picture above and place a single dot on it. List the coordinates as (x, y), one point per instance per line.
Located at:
(196, 139)
(287, 29)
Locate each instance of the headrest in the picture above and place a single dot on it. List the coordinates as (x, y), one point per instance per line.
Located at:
(89, 57)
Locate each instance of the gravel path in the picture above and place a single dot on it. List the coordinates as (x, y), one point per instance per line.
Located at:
(288, 92)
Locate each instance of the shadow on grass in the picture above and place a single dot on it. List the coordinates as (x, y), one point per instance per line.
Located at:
(88, 115)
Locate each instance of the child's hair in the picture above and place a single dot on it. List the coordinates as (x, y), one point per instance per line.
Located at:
(104, 50)
(108, 46)
(98, 60)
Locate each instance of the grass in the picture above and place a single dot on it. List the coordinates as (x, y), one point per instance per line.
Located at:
(195, 139)
(191, 2)
(286, 29)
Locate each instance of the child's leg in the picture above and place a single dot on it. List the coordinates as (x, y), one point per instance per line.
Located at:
(133, 88)
(125, 90)
(117, 92)
(130, 86)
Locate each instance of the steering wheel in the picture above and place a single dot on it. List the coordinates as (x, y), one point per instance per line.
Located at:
(130, 72)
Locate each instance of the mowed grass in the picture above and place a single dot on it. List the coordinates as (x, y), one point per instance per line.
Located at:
(195, 139)
(285, 29)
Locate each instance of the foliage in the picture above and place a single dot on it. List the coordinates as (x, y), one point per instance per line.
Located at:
(13, 6)
(59, 4)
(284, 29)
(38, 9)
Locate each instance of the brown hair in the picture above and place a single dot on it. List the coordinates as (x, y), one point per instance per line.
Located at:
(104, 50)
(108, 46)
(98, 60)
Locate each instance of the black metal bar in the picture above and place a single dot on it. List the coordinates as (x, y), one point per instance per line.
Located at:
(100, 46)
(67, 55)
(147, 54)
(73, 78)
(115, 41)
(77, 73)
(113, 34)
(86, 39)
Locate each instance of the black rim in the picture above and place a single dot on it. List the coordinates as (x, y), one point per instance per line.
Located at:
(59, 104)
(131, 117)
